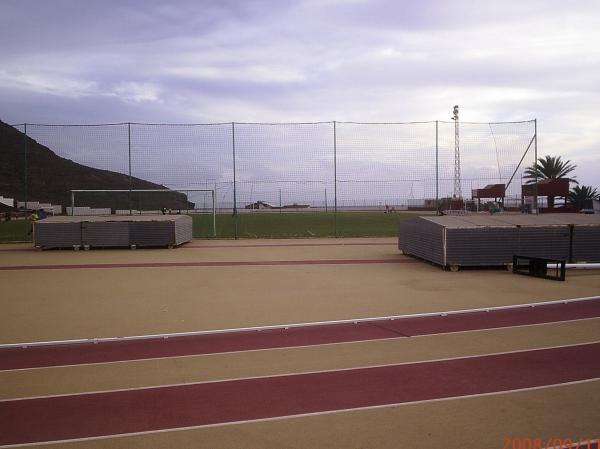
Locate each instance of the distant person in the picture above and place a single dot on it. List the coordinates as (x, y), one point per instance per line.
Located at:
(494, 208)
(33, 217)
(164, 210)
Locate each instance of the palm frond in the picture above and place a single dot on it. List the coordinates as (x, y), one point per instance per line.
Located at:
(549, 167)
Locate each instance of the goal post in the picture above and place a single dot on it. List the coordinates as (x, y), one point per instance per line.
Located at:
(146, 201)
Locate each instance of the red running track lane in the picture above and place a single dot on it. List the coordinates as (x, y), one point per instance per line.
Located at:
(170, 407)
(113, 351)
(231, 263)
(249, 245)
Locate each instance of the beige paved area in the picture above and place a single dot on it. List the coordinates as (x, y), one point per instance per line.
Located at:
(75, 303)
(86, 303)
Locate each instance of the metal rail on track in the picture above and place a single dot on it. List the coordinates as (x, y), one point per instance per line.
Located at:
(292, 325)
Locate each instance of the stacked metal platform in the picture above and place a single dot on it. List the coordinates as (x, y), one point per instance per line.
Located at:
(112, 231)
(491, 240)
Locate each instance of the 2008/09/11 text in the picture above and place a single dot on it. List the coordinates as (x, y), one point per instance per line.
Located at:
(514, 442)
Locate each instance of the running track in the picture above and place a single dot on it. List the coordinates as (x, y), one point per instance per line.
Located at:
(170, 407)
(59, 354)
(228, 263)
(248, 245)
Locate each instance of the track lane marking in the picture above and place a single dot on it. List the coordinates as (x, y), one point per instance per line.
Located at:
(250, 245)
(292, 347)
(303, 415)
(232, 263)
(301, 373)
(55, 419)
(302, 325)
(17, 356)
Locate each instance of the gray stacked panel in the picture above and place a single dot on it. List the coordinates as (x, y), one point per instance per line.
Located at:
(483, 240)
(183, 230)
(105, 233)
(586, 244)
(156, 233)
(423, 239)
(47, 234)
(480, 247)
(114, 231)
(545, 241)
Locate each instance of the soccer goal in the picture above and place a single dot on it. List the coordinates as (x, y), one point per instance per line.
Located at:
(145, 202)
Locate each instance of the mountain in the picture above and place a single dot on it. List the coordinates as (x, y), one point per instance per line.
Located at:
(50, 178)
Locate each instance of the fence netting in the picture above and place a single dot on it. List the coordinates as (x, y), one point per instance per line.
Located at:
(262, 175)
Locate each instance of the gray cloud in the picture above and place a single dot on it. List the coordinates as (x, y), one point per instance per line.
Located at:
(211, 61)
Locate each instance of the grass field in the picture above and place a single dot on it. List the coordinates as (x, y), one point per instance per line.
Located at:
(302, 224)
(271, 225)
(14, 231)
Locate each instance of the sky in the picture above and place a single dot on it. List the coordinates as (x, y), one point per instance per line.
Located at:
(72, 61)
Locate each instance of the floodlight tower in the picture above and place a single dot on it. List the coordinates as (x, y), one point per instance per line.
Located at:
(457, 189)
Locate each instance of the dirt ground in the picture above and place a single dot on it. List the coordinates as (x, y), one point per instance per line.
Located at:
(87, 303)
(76, 301)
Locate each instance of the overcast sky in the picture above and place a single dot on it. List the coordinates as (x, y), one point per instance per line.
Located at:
(73, 61)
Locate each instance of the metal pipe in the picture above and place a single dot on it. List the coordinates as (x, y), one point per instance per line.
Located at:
(235, 217)
(295, 325)
(334, 180)
(520, 162)
(535, 166)
(25, 173)
(129, 158)
(214, 201)
(578, 266)
(437, 182)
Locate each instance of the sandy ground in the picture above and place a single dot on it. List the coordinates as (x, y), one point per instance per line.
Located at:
(87, 303)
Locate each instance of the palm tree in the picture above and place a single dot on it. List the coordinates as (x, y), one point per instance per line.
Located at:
(579, 196)
(549, 167)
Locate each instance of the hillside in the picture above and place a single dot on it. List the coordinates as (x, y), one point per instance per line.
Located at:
(50, 178)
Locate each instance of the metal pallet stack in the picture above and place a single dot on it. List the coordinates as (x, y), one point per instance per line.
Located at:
(112, 231)
(490, 240)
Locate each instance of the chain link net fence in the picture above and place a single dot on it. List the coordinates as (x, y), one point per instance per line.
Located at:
(268, 179)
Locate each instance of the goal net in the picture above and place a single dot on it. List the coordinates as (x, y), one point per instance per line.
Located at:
(199, 203)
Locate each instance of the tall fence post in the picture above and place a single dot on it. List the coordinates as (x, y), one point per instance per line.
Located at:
(129, 163)
(437, 168)
(235, 214)
(25, 179)
(25, 173)
(214, 211)
(334, 180)
(535, 165)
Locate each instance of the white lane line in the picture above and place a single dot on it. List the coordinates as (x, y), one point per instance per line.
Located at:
(278, 348)
(303, 415)
(335, 370)
(294, 325)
